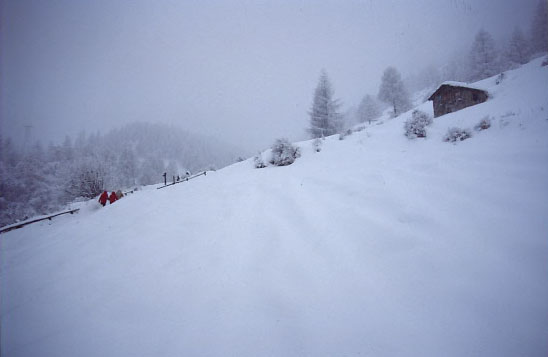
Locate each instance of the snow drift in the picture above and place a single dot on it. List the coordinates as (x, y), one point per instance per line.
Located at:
(378, 245)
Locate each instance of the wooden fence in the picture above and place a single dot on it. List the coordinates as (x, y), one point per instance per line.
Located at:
(22, 224)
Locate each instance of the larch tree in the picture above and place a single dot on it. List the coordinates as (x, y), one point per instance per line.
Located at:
(325, 118)
(483, 57)
(368, 110)
(517, 52)
(393, 91)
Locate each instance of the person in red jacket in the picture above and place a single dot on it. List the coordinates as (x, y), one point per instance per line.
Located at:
(103, 198)
(112, 198)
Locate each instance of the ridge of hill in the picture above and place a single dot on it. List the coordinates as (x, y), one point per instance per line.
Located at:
(376, 245)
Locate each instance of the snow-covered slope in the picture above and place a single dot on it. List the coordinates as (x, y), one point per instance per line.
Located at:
(375, 246)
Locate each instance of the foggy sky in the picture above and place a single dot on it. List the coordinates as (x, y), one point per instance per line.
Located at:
(244, 71)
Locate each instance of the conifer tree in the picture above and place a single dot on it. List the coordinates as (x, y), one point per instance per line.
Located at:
(518, 49)
(325, 118)
(483, 57)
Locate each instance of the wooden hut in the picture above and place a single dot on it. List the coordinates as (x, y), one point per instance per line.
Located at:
(453, 96)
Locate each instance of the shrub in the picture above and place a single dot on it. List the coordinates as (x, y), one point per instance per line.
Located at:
(485, 123)
(258, 162)
(416, 126)
(500, 78)
(317, 144)
(457, 134)
(345, 134)
(284, 153)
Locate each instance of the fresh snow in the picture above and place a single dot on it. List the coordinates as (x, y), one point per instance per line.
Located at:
(460, 84)
(375, 246)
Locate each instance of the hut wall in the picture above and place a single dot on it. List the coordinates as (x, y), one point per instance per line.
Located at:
(450, 99)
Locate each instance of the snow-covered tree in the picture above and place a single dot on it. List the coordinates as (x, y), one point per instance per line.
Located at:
(150, 171)
(393, 91)
(456, 69)
(88, 179)
(325, 118)
(368, 110)
(428, 77)
(517, 52)
(483, 57)
(67, 150)
(539, 28)
(127, 168)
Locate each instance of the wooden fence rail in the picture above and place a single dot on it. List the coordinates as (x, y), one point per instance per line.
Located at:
(183, 180)
(22, 224)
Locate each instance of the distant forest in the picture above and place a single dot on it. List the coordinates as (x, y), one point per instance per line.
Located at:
(37, 180)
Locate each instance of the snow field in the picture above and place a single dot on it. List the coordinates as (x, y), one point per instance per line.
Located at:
(377, 245)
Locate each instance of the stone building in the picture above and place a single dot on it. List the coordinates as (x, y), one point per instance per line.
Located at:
(453, 96)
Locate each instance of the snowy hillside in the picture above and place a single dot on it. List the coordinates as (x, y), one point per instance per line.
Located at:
(375, 246)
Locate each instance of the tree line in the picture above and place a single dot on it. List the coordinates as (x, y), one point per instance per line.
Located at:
(37, 180)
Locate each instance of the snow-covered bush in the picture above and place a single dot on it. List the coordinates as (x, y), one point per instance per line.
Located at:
(284, 153)
(416, 126)
(259, 162)
(345, 134)
(484, 123)
(87, 180)
(457, 134)
(317, 144)
(500, 78)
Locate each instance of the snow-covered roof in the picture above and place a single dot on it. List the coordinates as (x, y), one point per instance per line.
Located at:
(457, 84)
(462, 84)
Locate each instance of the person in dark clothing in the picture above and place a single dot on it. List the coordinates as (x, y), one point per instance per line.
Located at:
(112, 198)
(103, 198)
